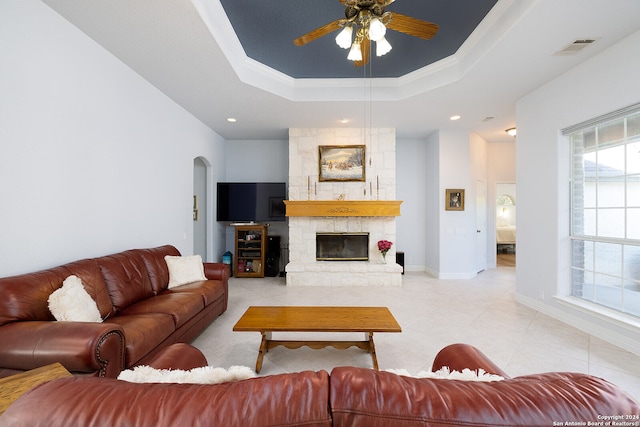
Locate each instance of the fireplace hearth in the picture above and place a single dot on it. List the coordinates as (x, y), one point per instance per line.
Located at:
(342, 246)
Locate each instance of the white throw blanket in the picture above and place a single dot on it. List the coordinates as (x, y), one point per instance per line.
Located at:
(447, 374)
(204, 375)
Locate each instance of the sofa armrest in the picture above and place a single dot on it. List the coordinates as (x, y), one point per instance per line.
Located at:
(217, 271)
(178, 356)
(81, 347)
(460, 356)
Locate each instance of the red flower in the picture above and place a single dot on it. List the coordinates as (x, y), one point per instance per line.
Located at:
(384, 246)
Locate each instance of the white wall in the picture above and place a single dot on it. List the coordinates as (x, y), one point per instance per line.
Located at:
(411, 187)
(600, 85)
(253, 161)
(93, 159)
(457, 228)
(432, 197)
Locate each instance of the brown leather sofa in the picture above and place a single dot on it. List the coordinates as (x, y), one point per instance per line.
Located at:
(350, 397)
(141, 315)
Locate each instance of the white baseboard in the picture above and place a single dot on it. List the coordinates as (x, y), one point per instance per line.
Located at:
(438, 275)
(449, 276)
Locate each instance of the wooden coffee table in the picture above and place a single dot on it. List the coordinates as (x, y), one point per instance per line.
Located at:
(11, 388)
(316, 319)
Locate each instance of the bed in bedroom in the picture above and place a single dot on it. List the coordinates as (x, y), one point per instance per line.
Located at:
(506, 236)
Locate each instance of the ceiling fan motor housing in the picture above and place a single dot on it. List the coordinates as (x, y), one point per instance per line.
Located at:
(376, 7)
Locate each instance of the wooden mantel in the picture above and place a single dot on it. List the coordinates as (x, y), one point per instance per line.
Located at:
(343, 207)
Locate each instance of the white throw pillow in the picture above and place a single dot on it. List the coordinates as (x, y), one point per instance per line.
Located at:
(204, 375)
(72, 303)
(447, 374)
(184, 269)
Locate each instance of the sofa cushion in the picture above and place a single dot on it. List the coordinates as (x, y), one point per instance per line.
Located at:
(209, 290)
(72, 303)
(89, 272)
(126, 278)
(184, 269)
(143, 333)
(157, 269)
(181, 306)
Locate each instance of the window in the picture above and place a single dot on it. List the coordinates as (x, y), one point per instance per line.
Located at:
(605, 210)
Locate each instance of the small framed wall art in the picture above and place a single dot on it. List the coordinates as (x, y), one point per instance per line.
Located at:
(341, 163)
(454, 199)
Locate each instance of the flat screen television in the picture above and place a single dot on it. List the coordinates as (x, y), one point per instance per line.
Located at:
(251, 201)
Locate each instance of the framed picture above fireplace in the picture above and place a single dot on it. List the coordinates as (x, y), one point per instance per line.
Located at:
(341, 163)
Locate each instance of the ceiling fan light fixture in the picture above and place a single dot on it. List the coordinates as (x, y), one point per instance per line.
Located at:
(365, 21)
(377, 30)
(355, 54)
(343, 39)
(383, 47)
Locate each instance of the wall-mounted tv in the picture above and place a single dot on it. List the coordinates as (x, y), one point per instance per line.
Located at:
(251, 201)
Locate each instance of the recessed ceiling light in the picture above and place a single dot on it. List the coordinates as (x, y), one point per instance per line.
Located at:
(232, 120)
(344, 120)
(453, 118)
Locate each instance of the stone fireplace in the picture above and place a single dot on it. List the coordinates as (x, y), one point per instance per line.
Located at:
(342, 208)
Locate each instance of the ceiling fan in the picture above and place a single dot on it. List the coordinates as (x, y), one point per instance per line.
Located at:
(370, 20)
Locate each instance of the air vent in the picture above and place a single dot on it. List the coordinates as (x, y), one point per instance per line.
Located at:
(574, 47)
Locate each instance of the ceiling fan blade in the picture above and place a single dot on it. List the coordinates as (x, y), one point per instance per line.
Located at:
(412, 26)
(365, 48)
(318, 32)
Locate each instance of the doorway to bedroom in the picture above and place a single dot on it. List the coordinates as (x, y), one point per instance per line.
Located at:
(506, 202)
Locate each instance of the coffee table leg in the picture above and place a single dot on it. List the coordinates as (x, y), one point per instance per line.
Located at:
(266, 337)
(372, 350)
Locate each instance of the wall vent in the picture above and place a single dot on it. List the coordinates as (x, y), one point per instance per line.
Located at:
(574, 47)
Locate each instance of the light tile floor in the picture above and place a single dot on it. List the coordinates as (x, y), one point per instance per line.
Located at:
(432, 313)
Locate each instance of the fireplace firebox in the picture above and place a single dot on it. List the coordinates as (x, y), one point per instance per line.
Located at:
(342, 246)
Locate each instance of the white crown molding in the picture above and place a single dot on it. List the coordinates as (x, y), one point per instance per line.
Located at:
(493, 27)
